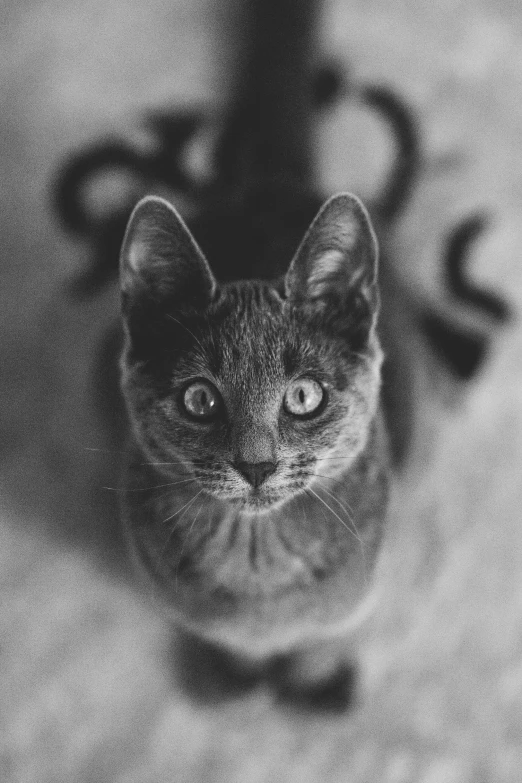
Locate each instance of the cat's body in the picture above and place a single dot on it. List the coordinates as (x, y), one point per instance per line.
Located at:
(262, 584)
(259, 577)
(285, 566)
(258, 521)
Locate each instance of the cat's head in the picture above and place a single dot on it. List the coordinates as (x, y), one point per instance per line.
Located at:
(255, 389)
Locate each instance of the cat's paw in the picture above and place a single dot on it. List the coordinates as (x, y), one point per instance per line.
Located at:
(209, 674)
(305, 681)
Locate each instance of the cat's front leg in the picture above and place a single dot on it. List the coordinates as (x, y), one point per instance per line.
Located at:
(211, 673)
(321, 676)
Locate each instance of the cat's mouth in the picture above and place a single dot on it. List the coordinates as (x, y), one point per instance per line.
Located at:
(255, 500)
(266, 498)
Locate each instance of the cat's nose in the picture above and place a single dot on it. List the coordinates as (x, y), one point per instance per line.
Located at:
(255, 472)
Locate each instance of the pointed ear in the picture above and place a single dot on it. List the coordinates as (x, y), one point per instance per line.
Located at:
(334, 271)
(160, 259)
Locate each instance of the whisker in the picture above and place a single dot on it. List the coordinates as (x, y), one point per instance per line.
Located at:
(146, 489)
(105, 451)
(185, 541)
(331, 459)
(155, 498)
(183, 508)
(186, 329)
(322, 509)
(186, 505)
(312, 462)
(194, 522)
(343, 523)
(354, 532)
(177, 462)
(209, 525)
(312, 475)
(184, 463)
(347, 509)
(303, 510)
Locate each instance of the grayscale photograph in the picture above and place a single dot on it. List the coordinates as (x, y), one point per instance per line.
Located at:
(260, 391)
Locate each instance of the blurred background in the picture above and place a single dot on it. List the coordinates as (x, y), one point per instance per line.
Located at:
(87, 687)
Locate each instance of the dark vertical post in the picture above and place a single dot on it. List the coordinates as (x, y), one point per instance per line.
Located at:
(272, 136)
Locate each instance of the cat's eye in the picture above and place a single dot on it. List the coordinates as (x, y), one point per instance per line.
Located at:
(304, 397)
(201, 400)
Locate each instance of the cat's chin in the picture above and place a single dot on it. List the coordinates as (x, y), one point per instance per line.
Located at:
(257, 502)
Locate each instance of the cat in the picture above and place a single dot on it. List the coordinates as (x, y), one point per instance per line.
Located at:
(258, 450)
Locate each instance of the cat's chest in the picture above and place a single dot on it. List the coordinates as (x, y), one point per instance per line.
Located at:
(261, 555)
(189, 538)
(257, 580)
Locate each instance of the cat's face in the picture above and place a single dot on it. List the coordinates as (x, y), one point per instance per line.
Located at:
(255, 391)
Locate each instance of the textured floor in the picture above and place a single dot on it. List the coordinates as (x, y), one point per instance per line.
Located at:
(87, 690)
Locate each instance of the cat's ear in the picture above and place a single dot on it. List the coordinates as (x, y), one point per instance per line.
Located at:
(334, 271)
(160, 259)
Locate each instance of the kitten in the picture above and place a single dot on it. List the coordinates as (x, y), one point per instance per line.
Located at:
(258, 450)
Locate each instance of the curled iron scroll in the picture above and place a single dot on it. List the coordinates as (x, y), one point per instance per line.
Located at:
(163, 165)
